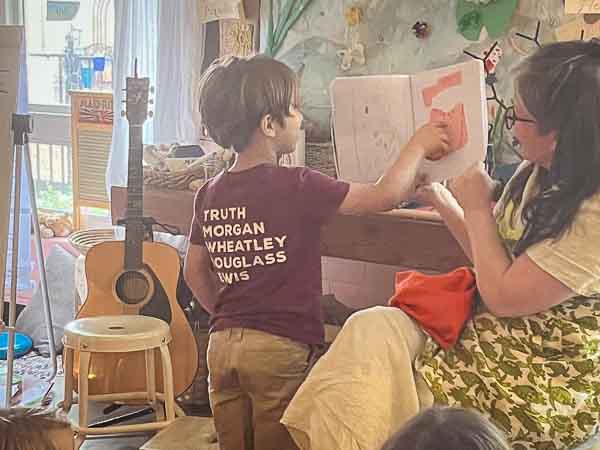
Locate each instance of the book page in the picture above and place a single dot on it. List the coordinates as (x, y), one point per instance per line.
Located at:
(219, 9)
(372, 121)
(577, 29)
(454, 95)
(582, 6)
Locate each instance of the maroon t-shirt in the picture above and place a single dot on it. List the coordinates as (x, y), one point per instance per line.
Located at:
(262, 229)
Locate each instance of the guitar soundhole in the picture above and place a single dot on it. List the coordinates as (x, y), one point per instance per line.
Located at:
(132, 287)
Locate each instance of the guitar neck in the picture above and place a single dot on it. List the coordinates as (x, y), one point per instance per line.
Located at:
(136, 112)
(134, 230)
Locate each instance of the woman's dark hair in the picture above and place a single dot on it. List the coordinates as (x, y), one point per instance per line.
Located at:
(236, 93)
(560, 86)
(448, 429)
(29, 428)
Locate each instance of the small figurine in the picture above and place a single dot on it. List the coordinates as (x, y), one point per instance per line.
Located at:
(354, 53)
(492, 60)
(421, 30)
(349, 56)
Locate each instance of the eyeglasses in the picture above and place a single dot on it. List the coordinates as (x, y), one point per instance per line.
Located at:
(511, 118)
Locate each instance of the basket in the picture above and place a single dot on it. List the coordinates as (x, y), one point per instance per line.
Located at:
(319, 156)
(85, 239)
(184, 179)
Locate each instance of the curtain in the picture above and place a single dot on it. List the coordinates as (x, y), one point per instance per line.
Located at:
(136, 37)
(11, 12)
(180, 56)
(168, 41)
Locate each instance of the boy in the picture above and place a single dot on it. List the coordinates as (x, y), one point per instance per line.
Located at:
(254, 259)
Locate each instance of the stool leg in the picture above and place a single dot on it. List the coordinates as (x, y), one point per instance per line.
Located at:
(169, 394)
(179, 412)
(84, 369)
(68, 368)
(151, 383)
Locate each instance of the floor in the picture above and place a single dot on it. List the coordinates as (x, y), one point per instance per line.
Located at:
(109, 443)
(36, 382)
(132, 442)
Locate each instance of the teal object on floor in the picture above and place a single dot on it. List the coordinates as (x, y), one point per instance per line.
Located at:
(23, 344)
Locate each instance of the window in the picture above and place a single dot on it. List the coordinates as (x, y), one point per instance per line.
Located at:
(68, 54)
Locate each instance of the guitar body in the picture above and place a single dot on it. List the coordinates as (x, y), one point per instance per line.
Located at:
(125, 372)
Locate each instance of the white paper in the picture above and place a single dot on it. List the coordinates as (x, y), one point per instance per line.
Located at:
(219, 9)
(470, 95)
(375, 116)
(572, 31)
(582, 6)
(372, 121)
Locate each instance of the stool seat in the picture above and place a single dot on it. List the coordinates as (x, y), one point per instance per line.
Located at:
(116, 333)
(119, 335)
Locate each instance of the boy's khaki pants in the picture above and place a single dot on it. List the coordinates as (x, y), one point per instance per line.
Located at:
(252, 377)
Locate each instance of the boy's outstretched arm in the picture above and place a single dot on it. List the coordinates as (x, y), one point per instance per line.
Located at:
(398, 182)
(199, 276)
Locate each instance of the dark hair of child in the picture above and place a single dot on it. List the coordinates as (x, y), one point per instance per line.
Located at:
(448, 429)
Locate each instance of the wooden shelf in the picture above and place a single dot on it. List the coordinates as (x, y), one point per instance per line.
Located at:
(405, 237)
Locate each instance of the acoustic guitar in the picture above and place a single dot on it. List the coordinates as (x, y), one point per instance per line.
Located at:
(137, 276)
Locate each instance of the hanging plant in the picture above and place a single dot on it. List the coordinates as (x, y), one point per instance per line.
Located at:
(287, 17)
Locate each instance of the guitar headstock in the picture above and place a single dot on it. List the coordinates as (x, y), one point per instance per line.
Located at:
(137, 98)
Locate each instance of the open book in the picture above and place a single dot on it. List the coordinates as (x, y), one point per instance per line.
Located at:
(375, 116)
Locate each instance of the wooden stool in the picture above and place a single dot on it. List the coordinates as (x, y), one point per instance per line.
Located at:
(118, 334)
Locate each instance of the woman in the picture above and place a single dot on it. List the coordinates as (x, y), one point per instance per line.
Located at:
(530, 356)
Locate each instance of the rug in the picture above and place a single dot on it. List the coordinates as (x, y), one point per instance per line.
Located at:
(32, 379)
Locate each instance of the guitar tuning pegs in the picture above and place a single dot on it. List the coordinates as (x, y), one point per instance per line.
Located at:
(151, 102)
(123, 113)
(150, 114)
(152, 89)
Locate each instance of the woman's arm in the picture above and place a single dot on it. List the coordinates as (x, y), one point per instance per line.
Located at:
(452, 214)
(508, 288)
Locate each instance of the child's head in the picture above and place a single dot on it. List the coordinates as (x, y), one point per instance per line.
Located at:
(448, 429)
(33, 429)
(246, 100)
(557, 105)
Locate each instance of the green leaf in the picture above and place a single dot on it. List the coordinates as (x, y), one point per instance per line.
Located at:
(526, 420)
(470, 379)
(561, 395)
(501, 419)
(584, 421)
(529, 394)
(488, 350)
(495, 16)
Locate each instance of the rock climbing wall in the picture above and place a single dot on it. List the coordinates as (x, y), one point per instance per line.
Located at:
(318, 42)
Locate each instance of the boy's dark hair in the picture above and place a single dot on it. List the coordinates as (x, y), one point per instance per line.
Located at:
(448, 429)
(236, 93)
(29, 428)
(560, 86)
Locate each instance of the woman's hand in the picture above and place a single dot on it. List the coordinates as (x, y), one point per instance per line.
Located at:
(474, 190)
(431, 194)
